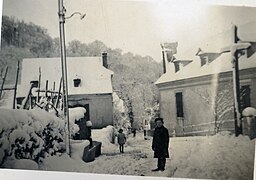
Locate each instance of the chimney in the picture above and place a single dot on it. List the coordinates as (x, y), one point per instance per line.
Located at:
(105, 59)
(164, 63)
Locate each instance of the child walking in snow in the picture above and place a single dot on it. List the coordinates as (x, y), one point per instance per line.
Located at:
(121, 139)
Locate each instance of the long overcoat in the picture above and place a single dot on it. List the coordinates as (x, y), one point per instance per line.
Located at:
(160, 142)
(121, 138)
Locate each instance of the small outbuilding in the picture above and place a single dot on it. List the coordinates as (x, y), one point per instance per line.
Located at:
(89, 85)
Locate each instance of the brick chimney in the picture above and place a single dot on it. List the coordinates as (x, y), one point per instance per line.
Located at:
(105, 59)
(164, 63)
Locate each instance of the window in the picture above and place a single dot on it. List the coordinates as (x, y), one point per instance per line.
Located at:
(245, 99)
(34, 84)
(77, 82)
(179, 104)
(204, 60)
(176, 66)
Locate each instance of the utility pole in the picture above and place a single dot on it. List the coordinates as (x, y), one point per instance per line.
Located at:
(235, 48)
(61, 14)
(236, 86)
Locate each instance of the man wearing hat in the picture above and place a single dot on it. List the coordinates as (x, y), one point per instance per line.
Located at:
(160, 144)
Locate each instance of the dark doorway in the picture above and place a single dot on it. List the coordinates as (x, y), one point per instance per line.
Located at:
(84, 131)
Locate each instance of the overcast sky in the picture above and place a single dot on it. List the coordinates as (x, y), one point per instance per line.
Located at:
(135, 26)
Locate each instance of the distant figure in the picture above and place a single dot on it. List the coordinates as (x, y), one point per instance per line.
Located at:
(89, 132)
(134, 132)
(146, 128)
(160, 144)
(121, 139)
(145, 134)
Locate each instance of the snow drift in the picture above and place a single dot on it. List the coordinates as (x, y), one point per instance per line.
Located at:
(222, 156)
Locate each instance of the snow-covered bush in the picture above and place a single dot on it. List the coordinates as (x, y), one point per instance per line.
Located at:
(31, 134)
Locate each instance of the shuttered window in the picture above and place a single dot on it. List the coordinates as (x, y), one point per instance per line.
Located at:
(179, 104)
(176, 66)
(245, 99)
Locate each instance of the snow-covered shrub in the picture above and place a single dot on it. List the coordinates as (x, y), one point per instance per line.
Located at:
(31, 134)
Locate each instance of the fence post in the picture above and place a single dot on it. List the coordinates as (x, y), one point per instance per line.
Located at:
(15, 87)
(2, 86)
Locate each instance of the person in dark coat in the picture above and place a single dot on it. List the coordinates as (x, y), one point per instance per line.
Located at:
(134, 132)
(160, 144)
(121, 139)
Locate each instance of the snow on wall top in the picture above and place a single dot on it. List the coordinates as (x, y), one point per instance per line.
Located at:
(76, 113)
(95, 78)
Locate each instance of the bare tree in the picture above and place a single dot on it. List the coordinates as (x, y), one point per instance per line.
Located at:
(219, 100)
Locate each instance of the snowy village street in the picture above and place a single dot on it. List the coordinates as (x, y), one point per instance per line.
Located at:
(217, 157)
(139, 89)
(221, 156)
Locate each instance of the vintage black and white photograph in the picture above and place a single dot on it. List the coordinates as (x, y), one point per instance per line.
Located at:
(154, 88)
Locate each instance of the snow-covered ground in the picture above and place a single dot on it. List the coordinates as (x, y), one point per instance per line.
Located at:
(222, 156)
(217, 157)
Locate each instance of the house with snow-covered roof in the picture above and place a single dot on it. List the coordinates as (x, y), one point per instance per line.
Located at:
(196, 93)
(89, 84)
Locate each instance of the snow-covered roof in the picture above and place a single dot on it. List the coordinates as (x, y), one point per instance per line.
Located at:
(95, 78)
(212, 45)
(194, 69)
(215, 43)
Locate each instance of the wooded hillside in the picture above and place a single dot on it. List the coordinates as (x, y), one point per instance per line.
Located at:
(134, 75)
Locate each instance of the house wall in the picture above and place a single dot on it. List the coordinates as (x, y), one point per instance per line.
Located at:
(195, 106)
(198, 96)
(100, 108)
(196, 110)
(167, 109)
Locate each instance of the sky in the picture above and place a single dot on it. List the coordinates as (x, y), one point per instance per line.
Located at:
(138, 26)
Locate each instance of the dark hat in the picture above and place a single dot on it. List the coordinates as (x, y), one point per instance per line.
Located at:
(159, 119)
(120, 131)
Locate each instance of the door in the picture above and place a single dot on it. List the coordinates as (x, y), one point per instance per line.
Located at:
(83, 132)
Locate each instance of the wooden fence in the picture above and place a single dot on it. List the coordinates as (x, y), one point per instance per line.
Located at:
(209, 128)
